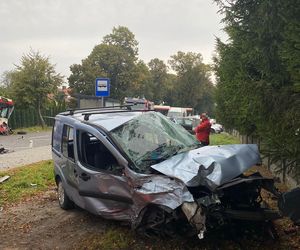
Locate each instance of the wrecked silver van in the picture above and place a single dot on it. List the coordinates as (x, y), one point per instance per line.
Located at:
(140, 167)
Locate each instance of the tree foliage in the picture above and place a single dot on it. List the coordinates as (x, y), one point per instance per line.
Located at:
(33, 80)
(115, 58)
(258, 74)
(159, 75)
(193, 85)
(6, 83)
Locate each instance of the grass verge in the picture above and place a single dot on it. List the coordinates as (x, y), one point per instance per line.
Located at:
(26, 181)
(222, 139)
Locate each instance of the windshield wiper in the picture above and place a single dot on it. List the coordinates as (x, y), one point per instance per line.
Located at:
(177, 149)
(155, 159)
(162, 152)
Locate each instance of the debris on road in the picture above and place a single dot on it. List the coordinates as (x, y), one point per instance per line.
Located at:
(4, 178)
(3, 150)
(21, 132)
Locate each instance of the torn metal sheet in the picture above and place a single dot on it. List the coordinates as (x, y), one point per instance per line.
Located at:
(210, 166)
(195, 216)
(158, 189)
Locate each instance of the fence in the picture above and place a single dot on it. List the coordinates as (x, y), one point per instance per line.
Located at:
(23, 118)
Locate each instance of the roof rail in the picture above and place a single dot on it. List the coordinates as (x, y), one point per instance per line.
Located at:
(88, 114)
(73, 111)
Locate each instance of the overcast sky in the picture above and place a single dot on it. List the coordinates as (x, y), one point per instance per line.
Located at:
(67, 30)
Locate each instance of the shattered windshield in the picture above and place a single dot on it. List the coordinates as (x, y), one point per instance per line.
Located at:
(151, 138)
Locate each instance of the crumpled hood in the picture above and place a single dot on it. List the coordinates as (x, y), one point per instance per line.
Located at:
(210, 166)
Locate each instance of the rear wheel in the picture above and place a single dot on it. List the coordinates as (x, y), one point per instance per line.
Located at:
(63, 199)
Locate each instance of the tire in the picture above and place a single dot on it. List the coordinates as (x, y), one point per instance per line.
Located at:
(63, 199)
(156, 222)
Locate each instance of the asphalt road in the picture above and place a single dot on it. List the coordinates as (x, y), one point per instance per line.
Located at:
(25, 149)
(16, 143)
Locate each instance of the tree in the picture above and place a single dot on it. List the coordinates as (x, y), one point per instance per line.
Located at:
(258, 75)
(169, 95)
(193, 85)
(158, 72)
(115, 58)
(141, 84)
(33, 80)
(124, 38)
(6, 83)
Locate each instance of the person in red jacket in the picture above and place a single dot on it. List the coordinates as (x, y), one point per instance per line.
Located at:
(203, 130)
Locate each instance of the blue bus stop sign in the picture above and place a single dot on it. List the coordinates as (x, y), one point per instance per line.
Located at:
(102, 87)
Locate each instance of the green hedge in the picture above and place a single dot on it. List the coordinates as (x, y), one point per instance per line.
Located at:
(24, 118)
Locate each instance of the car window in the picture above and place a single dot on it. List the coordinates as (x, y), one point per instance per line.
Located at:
(188, 122)
(56, 136)
(68, 142)
(93, 154)
(180, 121)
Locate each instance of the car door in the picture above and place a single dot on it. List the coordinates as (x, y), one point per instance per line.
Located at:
(100, 175)
(63, 155)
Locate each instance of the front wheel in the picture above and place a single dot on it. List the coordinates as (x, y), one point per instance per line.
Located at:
(63, 199)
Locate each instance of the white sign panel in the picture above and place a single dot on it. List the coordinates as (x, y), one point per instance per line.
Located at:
(102, 85)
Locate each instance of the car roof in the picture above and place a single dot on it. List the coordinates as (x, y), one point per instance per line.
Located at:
(108, 119)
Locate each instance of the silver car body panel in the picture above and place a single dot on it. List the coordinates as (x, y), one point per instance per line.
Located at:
(123, 197)
(158, 189)
(210, 166)
(110, 121)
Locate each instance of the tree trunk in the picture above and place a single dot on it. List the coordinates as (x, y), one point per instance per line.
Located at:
(283, 162)
(42, 122)
(269, 161)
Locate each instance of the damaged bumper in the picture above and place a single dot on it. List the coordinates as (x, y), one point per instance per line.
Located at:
(240, 200)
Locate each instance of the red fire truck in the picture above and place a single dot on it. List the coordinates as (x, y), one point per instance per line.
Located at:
(6, 108)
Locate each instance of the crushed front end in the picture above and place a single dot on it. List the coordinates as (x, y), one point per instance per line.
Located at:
(222, 193)
(239, 199)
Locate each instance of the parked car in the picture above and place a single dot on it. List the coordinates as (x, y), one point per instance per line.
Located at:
(140, 167)
(185, 122)
(216, 128)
